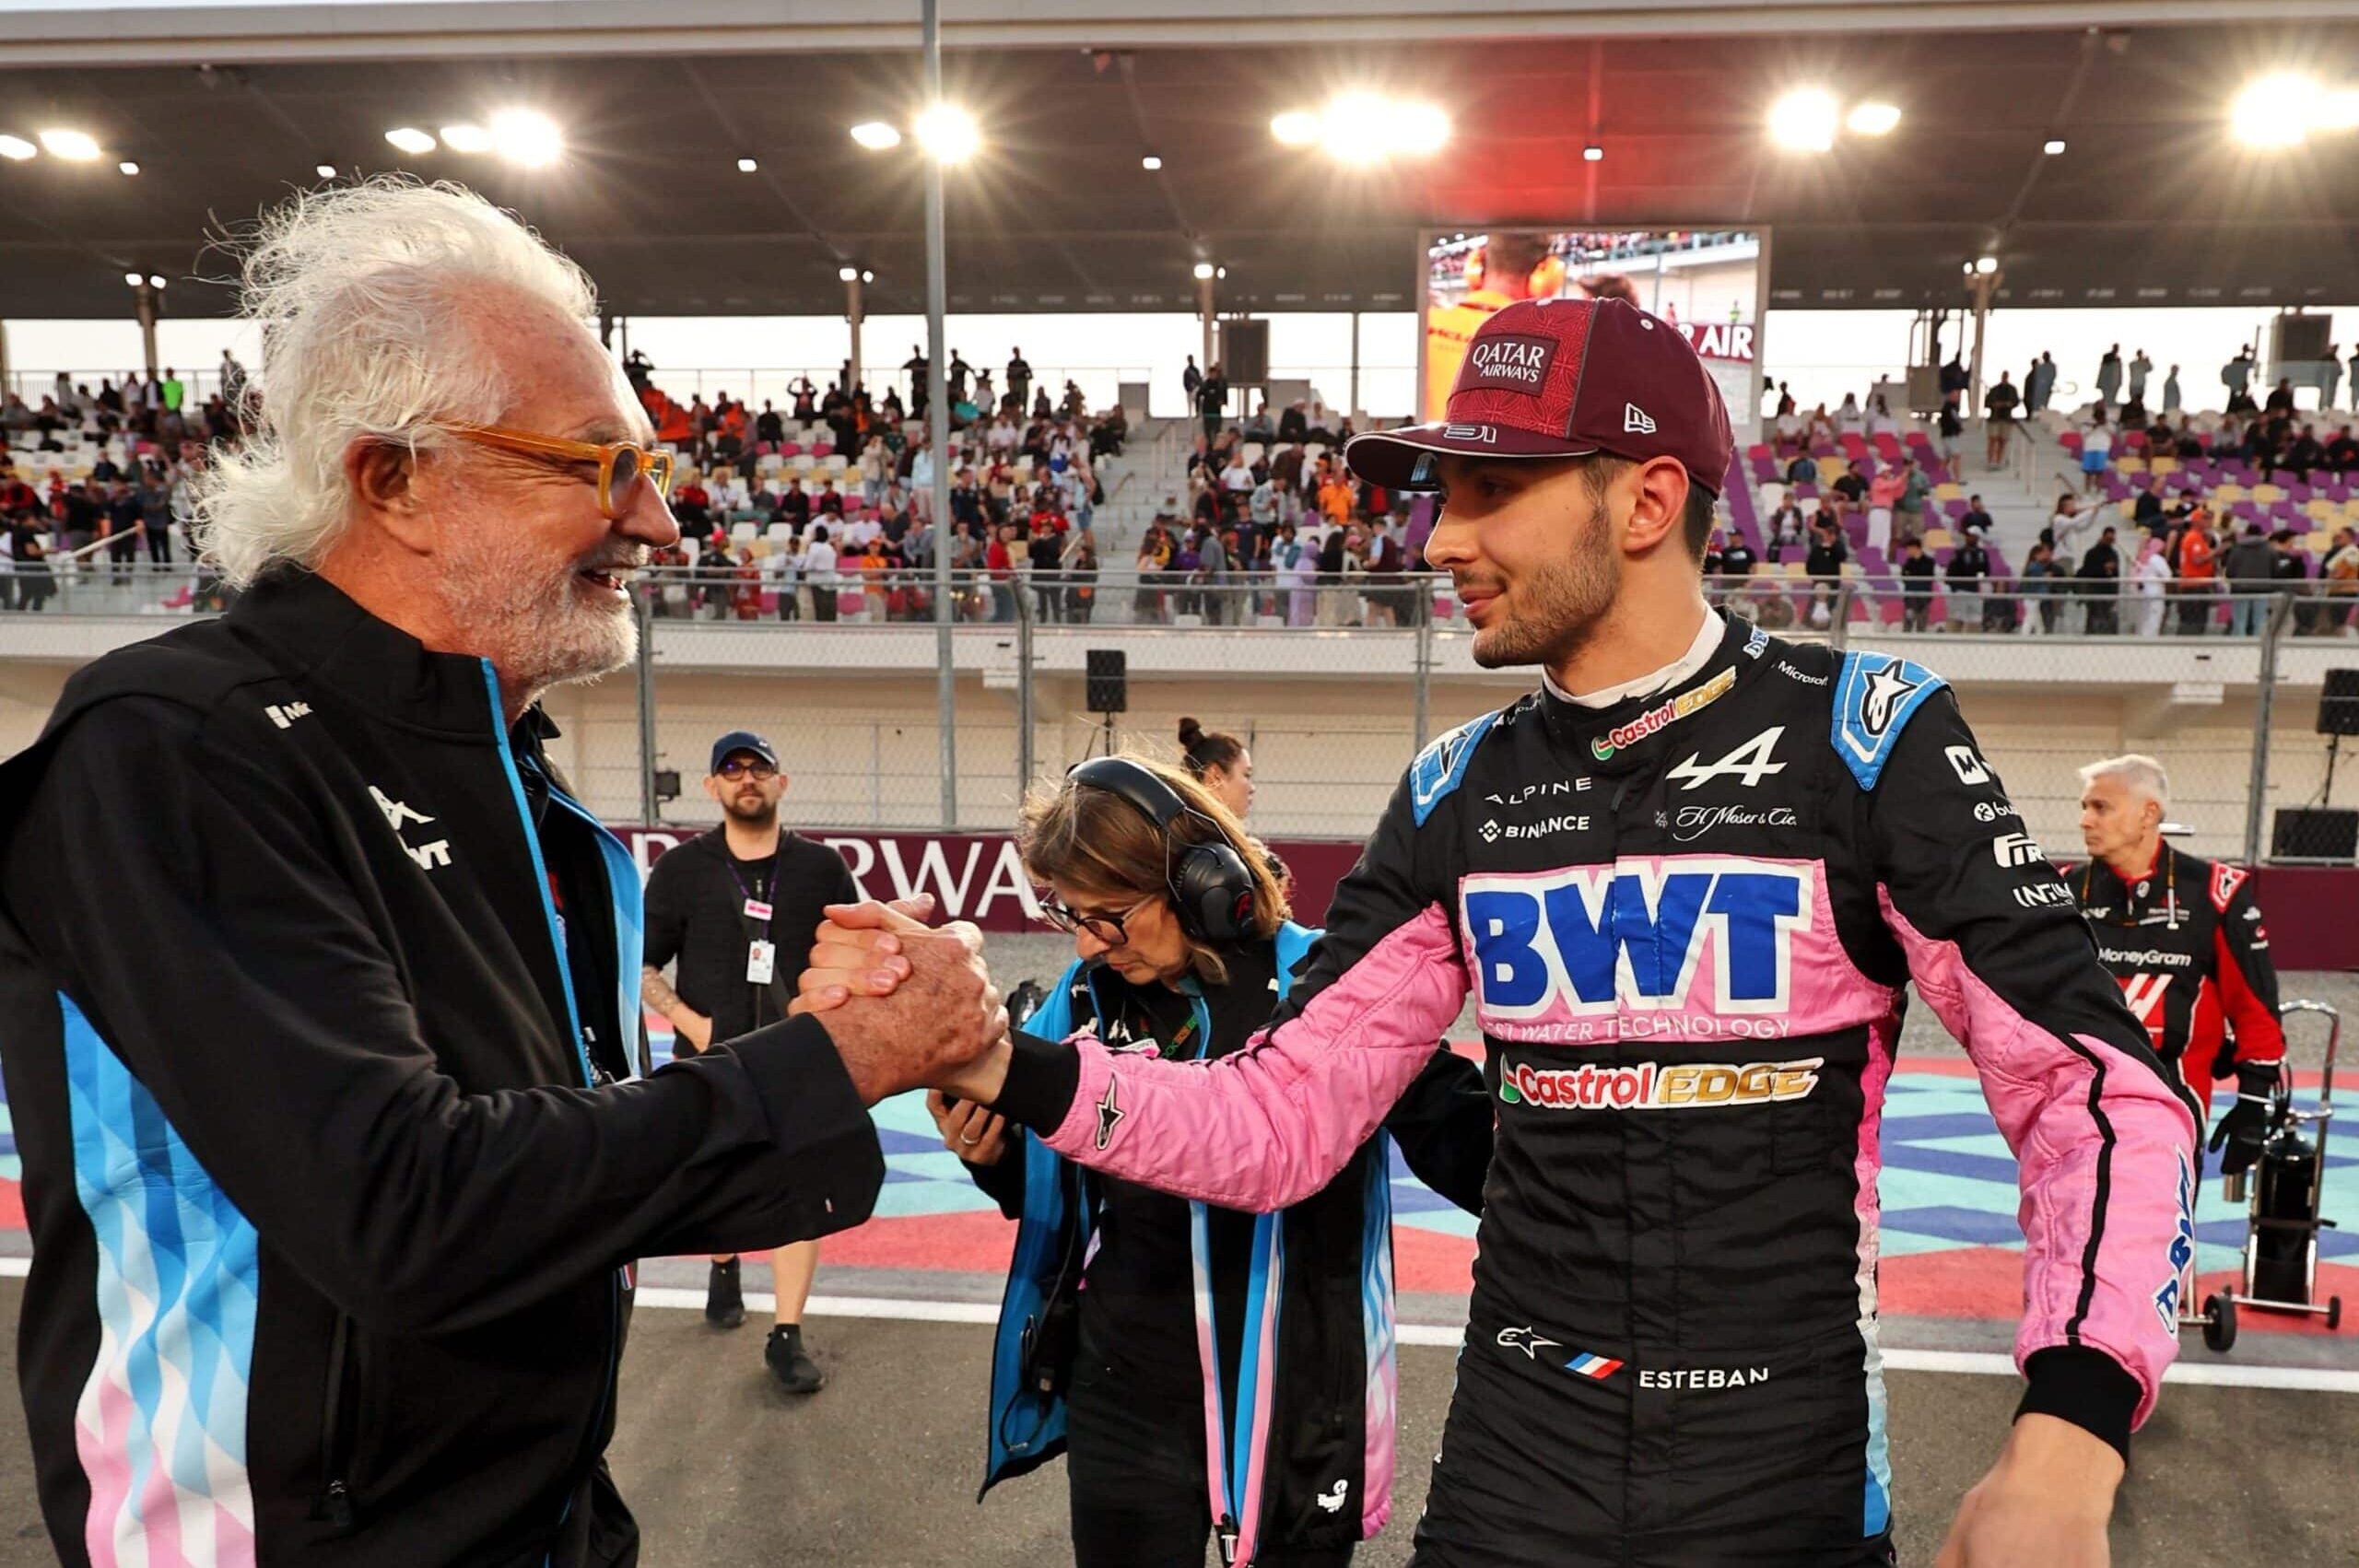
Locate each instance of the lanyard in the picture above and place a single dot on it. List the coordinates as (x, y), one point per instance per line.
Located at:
(758, 895)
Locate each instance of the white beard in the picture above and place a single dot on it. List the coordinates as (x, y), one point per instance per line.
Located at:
(537, 624)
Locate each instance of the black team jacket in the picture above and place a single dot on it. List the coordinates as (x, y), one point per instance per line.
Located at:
(319, 990)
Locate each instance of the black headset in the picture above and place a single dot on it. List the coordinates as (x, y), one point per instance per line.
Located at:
(1211, 888)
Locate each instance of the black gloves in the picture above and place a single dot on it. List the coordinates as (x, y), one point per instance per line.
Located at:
(2247, 1120)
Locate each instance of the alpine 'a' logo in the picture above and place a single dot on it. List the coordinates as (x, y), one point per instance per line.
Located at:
(1750, 762)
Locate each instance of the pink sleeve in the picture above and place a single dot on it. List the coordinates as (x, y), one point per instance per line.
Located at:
(1273, 1123)
(2103, 1149)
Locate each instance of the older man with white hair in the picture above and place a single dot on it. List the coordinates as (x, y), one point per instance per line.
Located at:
(324, 991)
(2186, 939)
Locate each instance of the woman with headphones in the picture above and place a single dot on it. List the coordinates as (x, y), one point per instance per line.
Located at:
(1204, 1371)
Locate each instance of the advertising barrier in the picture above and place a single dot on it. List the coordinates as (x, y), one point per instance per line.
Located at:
(980, 877)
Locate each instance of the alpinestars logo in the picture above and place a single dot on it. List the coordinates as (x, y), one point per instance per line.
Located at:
(1109, 1116)
(1637, 420)
(1887, 689)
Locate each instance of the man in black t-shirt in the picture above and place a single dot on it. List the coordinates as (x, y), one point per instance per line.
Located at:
(733, 913)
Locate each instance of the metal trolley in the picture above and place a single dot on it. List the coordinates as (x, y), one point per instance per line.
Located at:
(2283, 1199)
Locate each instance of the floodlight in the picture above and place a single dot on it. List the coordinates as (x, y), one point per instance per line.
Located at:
(1985, 265)
(15, 149)
(132, 279)
(948, 133)
(867, 276)
(411, 140)
(466, 138)
(127, 167)
(527, 137)
(1803, 121)
(847, 274)
(156, 280)
(2339, 110)
(876, 135)
(1296, 127)
(74, 147)
(1203, 271)
(747, 166)
(2274, 112)
(1873, 119)
(325, 170)
(1592, 154)
(1150, 163)
(2053, 147)
(1418, 129)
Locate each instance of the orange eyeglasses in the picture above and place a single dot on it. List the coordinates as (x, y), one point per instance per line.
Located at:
(623, 466)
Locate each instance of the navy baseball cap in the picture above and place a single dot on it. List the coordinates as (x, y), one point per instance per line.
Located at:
(741, 740)
(1565, 378)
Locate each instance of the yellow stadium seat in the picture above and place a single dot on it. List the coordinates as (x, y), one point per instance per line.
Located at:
(1951, 492)
(1940, 539)
(2269, 495)
(2221, 494)
(2162, 464)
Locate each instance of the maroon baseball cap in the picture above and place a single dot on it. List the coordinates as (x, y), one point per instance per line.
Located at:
(1565, 378)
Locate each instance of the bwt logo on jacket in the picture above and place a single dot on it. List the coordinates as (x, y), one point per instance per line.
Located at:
(1554, 948)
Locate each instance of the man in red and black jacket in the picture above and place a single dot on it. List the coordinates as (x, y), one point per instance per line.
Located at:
(2186, 939)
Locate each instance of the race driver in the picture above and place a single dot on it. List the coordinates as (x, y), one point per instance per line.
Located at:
(2186, 939)
(1686, 883)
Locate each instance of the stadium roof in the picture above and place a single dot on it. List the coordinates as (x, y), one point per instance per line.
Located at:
(2149, 204)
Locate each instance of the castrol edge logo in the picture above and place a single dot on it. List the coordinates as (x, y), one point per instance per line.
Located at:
(1656, 1086)
(1663, 714)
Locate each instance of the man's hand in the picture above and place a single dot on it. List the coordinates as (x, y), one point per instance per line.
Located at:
(2046, 1500)
(858, 953)
(692, 1026)
(943, 1011)
(2247, 1123)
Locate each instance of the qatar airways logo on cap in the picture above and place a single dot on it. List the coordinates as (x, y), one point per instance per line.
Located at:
(1507, 362)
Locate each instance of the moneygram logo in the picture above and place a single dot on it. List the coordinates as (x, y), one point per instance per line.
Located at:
(1652, 1086)
(1662, 715)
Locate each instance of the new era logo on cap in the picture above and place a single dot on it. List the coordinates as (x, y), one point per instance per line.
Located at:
(1563, 379)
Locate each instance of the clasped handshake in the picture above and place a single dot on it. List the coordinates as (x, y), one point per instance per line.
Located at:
(908, 1006)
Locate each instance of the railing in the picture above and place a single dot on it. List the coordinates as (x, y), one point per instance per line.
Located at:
(1376, 641)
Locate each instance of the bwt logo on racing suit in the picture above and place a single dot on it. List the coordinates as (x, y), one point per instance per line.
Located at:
(2182, 1250)
(1647, 1086)
(1603, 951)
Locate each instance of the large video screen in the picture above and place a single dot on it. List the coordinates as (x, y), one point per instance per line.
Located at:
(1708, 283)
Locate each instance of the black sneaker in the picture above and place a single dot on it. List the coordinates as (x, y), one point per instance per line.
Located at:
(725, 1304)
(796, 1372)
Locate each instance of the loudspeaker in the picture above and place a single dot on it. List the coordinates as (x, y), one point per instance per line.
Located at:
(2339, 704)
(2315, 832)
(1109, 682)
(1244, 352)
(2298, 338)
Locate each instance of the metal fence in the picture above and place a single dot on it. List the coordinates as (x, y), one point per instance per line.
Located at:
(1334, 681)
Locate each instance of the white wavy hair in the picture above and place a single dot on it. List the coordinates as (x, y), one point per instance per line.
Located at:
(2140, 774)
(360, 291)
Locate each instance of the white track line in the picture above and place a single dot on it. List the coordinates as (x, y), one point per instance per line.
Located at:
(1985, 1363)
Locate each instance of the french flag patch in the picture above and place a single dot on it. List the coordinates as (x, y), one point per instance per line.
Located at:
(1588, 1365)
